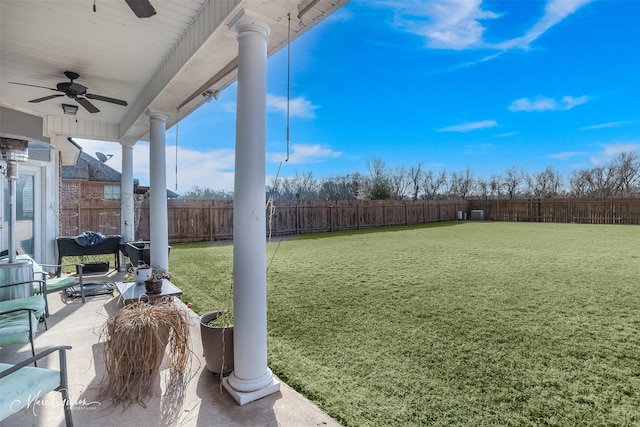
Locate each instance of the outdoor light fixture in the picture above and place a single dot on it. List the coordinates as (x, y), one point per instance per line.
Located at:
(70, 109)
(210, 94)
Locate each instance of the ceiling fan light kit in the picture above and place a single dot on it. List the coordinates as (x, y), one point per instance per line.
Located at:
(70, 109)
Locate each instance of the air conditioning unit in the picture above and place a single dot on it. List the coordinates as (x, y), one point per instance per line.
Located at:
(477, 215)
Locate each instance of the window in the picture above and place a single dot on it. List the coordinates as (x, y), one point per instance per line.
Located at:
(112, 192)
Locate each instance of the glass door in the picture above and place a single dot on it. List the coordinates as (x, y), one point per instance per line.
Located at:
(27, 210)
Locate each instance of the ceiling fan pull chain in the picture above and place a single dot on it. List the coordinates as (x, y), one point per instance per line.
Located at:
(94, 5)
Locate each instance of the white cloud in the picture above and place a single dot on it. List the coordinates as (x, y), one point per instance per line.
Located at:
(615, 149)
(607, 125)
(567, 155)
(458, 24)
(298, 107)
(466, 127)
(476, 149)
(306, 153)
(445, 24)
(208, 169)
(507, 134)
(554, 12)
(610, 151)
(542, 103)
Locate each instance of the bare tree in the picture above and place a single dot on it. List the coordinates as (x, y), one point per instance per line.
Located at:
(495, 186)
(415, 178)
(305, 186)
(618, 178)
(627, 170)
(483, 188)
(432, 183)
(580, 183)
(546, 184)
(513, 181)
(207, 194)
(399, 182)
(344, 187)
(461, 183)
(378, 186)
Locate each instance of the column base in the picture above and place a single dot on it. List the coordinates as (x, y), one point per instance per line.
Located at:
(243, 397)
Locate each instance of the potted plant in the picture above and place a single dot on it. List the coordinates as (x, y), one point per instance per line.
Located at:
(153, 283)
(135, 340)
(216, 331)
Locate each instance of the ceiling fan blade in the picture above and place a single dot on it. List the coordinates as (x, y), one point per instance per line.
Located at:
(106, 99)
(44, 98)
(142, 8)
(87, 105)
(26, 84)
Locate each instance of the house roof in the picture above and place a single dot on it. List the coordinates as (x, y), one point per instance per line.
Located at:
(90, 169)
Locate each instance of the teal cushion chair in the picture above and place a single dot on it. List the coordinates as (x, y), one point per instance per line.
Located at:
(21, 383)
(19, 317)
(55, 284)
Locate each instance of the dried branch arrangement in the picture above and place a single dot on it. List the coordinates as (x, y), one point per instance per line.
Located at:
(135, 341)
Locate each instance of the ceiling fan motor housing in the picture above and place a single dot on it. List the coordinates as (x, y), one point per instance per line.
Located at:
(72, 89)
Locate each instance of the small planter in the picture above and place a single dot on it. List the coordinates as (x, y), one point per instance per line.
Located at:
(94, 267)
(217, 344)
(153, 286)
(153, 283)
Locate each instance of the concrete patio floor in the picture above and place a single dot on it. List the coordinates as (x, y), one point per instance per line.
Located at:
(202, 403)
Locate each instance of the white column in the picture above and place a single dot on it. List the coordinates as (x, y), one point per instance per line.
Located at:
(251, 379)
(126, 193)
(158, 217)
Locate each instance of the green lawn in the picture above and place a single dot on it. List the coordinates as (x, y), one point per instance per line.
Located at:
(473, 324)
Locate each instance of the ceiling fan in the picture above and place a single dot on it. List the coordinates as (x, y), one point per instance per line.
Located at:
(142, 8)
(75, 91)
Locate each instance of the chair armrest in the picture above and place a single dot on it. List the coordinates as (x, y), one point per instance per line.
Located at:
(15, 310)
(29, 361)
(41, 284)
(58, 266)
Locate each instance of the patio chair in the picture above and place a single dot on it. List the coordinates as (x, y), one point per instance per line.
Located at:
(19, 317)
(21, 383)
(59, 283)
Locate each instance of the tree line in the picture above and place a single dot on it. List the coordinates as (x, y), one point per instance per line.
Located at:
(620, 177)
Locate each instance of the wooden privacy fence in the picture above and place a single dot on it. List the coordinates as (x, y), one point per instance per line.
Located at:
(207, 220)
(583, 211)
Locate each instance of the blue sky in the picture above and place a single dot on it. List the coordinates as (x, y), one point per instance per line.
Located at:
(450, 84)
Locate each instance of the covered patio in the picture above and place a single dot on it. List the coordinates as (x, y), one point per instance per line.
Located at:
(126, 71)
(202, 403)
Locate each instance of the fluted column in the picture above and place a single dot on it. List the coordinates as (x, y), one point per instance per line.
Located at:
(251, 378)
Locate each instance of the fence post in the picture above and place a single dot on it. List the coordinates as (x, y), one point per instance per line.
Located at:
(211, 220)
(384, 218)
(406, 214)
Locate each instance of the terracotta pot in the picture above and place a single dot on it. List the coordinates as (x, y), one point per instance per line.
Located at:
(217, 344)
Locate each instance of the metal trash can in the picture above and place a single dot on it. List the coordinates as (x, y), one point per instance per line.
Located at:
(16, 272)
